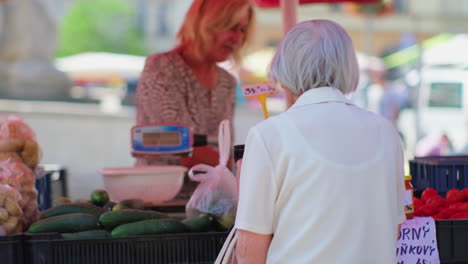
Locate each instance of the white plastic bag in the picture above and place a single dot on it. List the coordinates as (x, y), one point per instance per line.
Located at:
(217, 193)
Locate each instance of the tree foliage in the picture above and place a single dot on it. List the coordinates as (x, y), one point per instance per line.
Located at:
(100, 26)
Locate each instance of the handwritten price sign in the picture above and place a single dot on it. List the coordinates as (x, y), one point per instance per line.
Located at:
(259, 89)
(417, 242)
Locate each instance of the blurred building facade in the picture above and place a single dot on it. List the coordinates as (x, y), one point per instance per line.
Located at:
(158, 19)
(26, 67)
(411, 21)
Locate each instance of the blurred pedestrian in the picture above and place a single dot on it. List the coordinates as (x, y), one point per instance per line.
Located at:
(434, 145)
(385, 98)
(465, 148)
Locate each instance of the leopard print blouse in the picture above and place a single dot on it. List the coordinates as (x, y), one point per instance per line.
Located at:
(169, 93)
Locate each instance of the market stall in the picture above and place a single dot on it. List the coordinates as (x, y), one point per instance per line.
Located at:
(119, 226)
(130, 222)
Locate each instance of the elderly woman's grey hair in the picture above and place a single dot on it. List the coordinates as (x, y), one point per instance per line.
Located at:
(314, 54)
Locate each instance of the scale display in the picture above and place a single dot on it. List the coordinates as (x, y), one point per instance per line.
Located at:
(161, 139)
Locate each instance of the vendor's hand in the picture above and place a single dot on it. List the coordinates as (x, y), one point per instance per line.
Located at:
(203, 155)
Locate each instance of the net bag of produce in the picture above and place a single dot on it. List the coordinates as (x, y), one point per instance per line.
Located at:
(19, 157)
(10, 210)
(26, 181)
(21, 178)
(217, 193)
(18, 141)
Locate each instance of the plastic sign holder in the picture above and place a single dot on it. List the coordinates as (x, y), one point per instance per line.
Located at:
(261, 92)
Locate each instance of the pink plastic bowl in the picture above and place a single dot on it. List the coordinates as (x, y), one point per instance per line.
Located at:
(152, 184)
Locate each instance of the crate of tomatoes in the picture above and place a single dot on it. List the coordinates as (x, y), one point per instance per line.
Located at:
(451, 214)
(452, 205)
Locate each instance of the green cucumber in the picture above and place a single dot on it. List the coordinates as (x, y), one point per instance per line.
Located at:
(86, 234)
(68, 223)
(149, 227)
(72, 209)
(112, 219)
(199, 223)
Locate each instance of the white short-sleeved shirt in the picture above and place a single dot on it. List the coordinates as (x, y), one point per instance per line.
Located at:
(327, 179)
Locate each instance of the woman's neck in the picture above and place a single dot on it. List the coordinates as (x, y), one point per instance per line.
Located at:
(205, 70)
(201, 66)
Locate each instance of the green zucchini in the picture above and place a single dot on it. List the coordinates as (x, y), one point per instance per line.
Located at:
(73, 208)
(68, 223)
(112, 219)
(149, 227)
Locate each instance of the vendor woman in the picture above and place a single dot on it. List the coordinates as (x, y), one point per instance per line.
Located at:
(185, 86)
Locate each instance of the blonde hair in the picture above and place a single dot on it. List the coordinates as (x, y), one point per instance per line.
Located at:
(206, 18)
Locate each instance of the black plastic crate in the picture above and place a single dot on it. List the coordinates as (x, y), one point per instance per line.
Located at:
(452, 241)
(11, 249)
(439, 172)
(199, 248)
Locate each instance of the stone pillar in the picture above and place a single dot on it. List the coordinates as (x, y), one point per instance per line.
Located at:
(28, 36)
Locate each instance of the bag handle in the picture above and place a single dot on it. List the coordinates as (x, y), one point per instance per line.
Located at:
(226, 253)
(203, 172)
(224, 141)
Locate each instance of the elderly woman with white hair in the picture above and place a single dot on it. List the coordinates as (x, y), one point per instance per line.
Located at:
(322, 182)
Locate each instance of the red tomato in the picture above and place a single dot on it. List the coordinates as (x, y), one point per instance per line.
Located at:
(465, 193)
(417, 212)
(436, 200)
(447, 212)
(439, 216)
(417, 203)
(451, 192)
(463, 207)
(454, 196)
(459, 206)
(428, 210)
(460, 215)
(428, 193)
